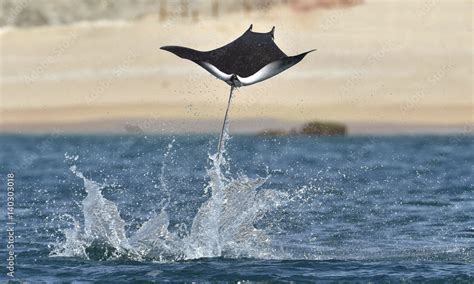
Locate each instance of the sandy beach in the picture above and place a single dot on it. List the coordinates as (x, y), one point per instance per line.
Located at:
(380, 67)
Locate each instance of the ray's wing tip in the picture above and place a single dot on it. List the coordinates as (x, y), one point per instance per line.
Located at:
(177, 50)
(302, 55)
(167, 47)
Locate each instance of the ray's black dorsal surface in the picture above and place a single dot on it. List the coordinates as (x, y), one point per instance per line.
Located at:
(251, 58)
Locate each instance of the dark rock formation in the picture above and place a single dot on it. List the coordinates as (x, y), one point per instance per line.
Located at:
(316, 128)
(323, 128)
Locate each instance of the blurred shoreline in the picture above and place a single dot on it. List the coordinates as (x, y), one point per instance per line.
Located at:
(381, 67)
(237, 126)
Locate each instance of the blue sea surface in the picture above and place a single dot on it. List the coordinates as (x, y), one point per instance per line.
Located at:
(121, 208)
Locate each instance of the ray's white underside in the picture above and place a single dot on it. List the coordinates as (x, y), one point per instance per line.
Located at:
(266, 72)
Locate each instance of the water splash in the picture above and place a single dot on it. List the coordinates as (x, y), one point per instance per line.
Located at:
(163, 183)
(103, 225)
(222, 227)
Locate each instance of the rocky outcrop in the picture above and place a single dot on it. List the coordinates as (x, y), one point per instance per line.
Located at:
(316, 128)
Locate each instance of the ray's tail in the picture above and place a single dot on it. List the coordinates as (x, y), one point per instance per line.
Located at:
(224, 128)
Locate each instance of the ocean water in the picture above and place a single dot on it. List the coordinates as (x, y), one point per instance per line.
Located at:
(164, 208)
